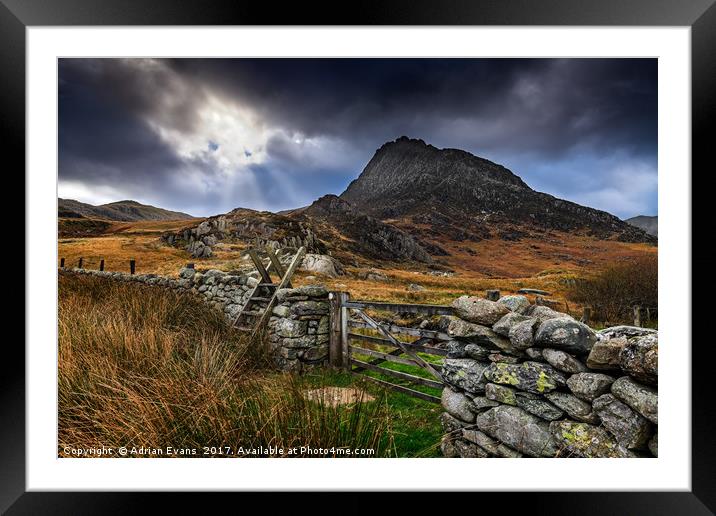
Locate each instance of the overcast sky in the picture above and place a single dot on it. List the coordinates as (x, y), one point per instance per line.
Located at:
(205, 136)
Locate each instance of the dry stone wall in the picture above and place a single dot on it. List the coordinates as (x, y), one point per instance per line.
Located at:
(298, 326)
(525, 380)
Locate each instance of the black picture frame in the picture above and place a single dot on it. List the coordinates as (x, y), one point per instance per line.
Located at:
(700, 15)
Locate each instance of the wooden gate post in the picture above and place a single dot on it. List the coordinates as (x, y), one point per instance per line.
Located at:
(586, 314)
(132, 266)
(346, 357)
(101, 264)
(637, 315)
(79, 264)
(62, 263)
(335, 349)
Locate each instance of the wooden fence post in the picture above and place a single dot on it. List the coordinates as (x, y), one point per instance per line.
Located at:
(335, 346)
(586, 314)
(79, 264)
(101, 264)
(492, 295)
(637, 315)
(62, 263)
(344, 297)
(189, 266)
(132, 265)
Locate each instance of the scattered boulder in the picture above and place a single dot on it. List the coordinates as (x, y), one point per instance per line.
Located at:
(563, 361)
(527, 376)
(573, 406)
(458, 405)
(641, 398)
(465, 373)
(605, 353)
(197, 249)
(514, 303)
(535, 291)
(503, 326)
(479, 310)
(631, 429)
(519, 430)
(589, 386)
(373, 275)
(322, 264)
(640, 357)
(414, 287)
(584, 440)
(567, 334)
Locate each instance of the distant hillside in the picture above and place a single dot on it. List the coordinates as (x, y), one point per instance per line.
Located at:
(126, 211)
(647, 223)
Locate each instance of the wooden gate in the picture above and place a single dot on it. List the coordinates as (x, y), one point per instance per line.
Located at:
(382, 353)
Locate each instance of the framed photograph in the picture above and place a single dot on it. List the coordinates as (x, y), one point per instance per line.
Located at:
(421, 249)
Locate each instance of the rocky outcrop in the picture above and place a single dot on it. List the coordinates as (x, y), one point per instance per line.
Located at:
(322, 264)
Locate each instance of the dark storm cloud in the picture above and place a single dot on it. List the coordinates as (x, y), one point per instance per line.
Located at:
(578, 128)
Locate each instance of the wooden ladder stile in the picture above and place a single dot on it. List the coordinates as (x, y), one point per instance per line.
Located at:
(285, 281)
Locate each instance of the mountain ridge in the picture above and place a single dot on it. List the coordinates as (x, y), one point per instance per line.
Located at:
(418, 183)
(123, 211)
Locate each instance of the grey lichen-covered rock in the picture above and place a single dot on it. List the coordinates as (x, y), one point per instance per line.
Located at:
(640, 358)
(478, 310)
(631, 429)
(451, 424)
(625, 331)
(447, 448)
(516, 303)
(527, 376)
(605, 353)
(468, 450)
(519, 430)
(281, 311)
(481, 439)
(543, 313)
(654, 445)
(563, 361)
(290, 328)
(477, 334)
(589, 386)
(458, 405)
(465, 374)
(522, 334)
(501, 357)
(573, 406)
(456, 349)
(309, 308)
(187, 272)
(566, 334)
(478, 352)
(500, 394)
(584, 440)
(508, 453)
(535, 404)
(535, 354)
(503, 326)
(641, 398)
(481, 403)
